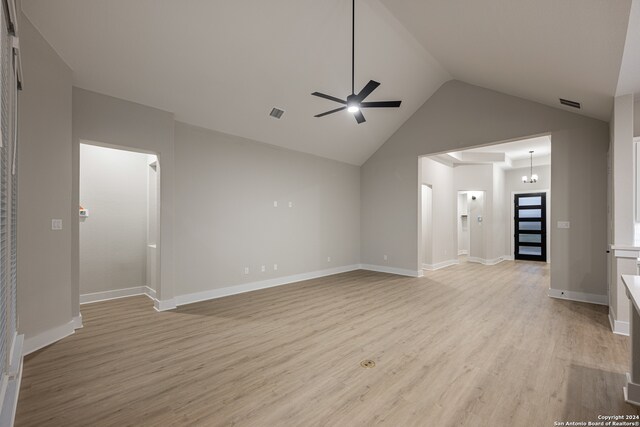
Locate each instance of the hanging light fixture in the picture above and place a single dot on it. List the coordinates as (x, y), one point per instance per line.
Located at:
(534, 177)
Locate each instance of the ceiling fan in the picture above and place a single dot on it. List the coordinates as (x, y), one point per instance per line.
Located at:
(356, 102)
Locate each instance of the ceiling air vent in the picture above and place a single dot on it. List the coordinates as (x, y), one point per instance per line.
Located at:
(276, 113)
(569, 103)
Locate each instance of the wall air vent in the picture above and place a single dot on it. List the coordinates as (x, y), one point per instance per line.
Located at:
(276, 113)
(570, 103)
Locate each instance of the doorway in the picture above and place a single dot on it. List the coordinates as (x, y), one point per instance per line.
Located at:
(530, 220)
(119, 223)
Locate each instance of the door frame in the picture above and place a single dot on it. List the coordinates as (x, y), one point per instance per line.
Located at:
(513, 226)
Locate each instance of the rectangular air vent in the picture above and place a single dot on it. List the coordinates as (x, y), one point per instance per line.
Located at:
(276, 113)
(569, 103)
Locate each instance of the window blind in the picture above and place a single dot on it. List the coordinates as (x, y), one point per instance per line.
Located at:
(8, 192)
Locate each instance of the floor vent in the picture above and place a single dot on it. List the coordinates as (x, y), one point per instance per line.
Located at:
(276, 113)
(570, 103)
(368, 363)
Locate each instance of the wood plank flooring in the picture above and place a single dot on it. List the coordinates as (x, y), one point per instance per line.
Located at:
(468, 345)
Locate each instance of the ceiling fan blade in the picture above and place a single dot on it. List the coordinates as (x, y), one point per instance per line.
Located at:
(359, 117)
(329, 97)
(380, 104)
(366, 91)
(330, 112)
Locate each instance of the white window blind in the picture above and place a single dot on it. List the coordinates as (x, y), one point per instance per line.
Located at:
(8, 193)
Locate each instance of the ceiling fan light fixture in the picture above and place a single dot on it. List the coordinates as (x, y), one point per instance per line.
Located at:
(355, 103)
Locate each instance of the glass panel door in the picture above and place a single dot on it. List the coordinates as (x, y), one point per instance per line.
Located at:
(530, 227)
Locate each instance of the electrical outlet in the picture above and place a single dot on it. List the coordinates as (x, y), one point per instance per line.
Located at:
(328, 259)
(246, 270)
(264, 268)
(564, 224)
(290, 204)
(385, 257)
(275, 267)
(56, 224)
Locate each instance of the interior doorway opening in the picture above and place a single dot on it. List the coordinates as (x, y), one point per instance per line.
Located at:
(470, 225)
(119, 223)
(468, 212)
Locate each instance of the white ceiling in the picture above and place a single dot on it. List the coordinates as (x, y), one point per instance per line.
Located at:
(541, 50)
(224, 64)
(518, 150)
(509, 155)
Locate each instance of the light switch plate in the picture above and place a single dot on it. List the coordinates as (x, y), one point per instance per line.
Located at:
(564, 224)
(56, 224)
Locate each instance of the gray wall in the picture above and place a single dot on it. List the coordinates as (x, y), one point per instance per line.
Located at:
(112, 121)
(427, 225)
(460, 115)
(113, 239)
(444, 206)
(44, 274)
(225, 219)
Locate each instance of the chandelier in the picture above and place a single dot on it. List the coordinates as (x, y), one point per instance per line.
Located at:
(534, 177)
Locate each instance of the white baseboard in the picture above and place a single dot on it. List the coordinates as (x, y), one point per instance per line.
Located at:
(9, 401)
(618, 327)
(77, 321)
(578, 296)
(163, 305)
(507, 257)
(439, 265)
(486, 261)
(46, 338)
(114, 294)
(391, 270)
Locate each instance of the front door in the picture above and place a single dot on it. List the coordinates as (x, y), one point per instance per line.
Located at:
(530, 227)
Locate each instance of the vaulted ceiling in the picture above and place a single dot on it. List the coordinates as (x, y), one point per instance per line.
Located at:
(540, 50)
(224, 64)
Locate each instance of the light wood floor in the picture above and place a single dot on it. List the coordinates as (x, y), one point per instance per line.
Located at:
(467, 345)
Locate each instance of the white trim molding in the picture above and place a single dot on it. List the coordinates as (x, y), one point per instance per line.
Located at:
(164, 305)
(391, 270)
(170, 304)
(578, 296)
(77, 322)
(439, 265)
(117, 293)
(618, 327)
(48, 337)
